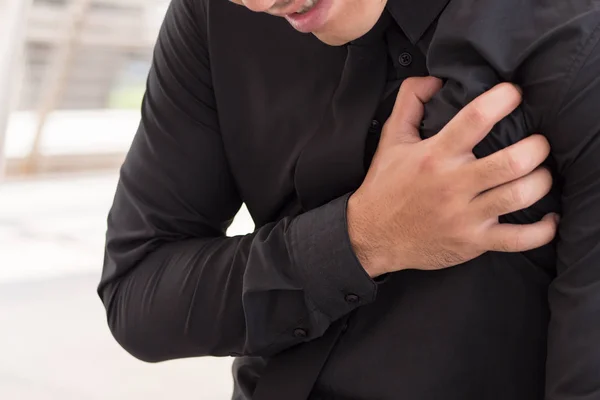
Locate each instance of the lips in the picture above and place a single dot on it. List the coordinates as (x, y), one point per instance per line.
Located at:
(310, 16)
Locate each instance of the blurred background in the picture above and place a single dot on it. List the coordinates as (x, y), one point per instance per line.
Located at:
(72, 76)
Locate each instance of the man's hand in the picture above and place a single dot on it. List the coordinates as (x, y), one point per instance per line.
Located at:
(430, 204)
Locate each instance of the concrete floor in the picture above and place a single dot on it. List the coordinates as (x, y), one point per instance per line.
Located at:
(54, 345)
(54, 342)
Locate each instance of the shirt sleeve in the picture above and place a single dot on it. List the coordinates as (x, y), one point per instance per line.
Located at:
(173, 284)
(573, 363)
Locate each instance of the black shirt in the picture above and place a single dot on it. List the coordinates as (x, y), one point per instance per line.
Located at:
(240, 108)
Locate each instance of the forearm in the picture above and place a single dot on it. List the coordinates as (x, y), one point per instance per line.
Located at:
(251, 295)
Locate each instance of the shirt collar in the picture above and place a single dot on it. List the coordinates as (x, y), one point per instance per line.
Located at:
(415, 16)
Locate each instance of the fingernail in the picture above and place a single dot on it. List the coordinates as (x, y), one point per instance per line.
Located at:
(556, 218)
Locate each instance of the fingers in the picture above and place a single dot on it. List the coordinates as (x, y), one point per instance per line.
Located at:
(518, 238)
(477, 119)
(403, 124)
(507, 164)
(413, 93)
(514, 196)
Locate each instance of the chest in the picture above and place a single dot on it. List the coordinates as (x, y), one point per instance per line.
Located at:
(300, 121)
(305, 127)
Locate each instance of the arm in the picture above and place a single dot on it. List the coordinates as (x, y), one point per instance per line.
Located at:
(573, 364)
(173, 284)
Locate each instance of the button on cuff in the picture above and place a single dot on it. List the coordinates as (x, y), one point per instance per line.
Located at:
(352, 298)
(327, 267)
(375, 126)
(300, 333)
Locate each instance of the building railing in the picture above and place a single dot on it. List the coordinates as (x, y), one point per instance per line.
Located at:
(73, 53)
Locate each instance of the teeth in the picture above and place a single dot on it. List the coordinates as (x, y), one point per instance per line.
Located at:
(308, 5)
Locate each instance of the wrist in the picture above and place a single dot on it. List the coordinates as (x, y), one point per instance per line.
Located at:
(364, 245)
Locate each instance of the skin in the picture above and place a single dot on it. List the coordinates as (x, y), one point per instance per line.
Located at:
(444, 205)
(348, 19)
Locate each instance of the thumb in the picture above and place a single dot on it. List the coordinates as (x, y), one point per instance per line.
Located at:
(403, 124)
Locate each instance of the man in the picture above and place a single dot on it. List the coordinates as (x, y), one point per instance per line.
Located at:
(424, 272)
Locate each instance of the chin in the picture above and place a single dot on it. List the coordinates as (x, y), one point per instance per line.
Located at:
(340, 37)
(332, 40)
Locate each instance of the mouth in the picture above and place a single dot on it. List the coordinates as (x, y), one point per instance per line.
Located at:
(307, 6)
(310, 15)
(293, 7)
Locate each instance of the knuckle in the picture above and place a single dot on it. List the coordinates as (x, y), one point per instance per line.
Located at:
(486, 170)
(503, 206)
(489, 169)
(510, 244)
(514, 165)
(499, 203)
(503, 245)
(476, 115)
(495, 209)
(463, 238)
(429, 162)
(518, 194)
(518, 240)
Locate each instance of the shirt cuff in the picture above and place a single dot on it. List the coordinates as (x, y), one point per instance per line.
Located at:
(327, 266)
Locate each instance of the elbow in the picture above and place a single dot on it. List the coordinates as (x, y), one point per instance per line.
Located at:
(134, 344)
(150, 330)
(137, 350)
(130, 329)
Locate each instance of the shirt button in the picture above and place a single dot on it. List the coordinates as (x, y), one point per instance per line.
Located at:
(300, 333)
(405, 59)
(374, 128)
(352, 298)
